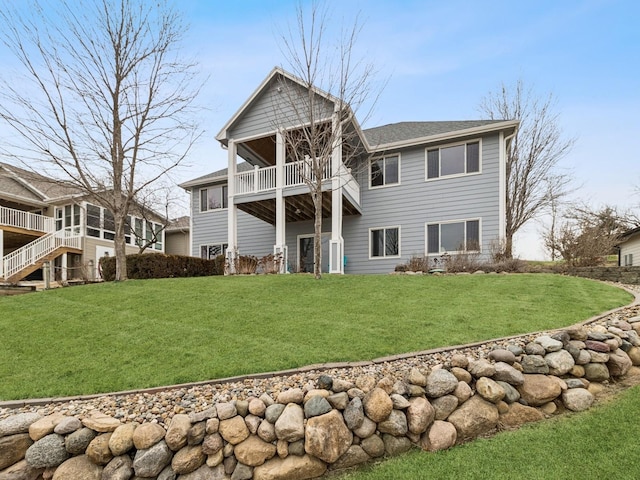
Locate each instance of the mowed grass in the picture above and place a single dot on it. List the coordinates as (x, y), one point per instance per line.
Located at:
(592, 445)
(136, 334)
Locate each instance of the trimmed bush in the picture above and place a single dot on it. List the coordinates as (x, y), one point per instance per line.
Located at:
(158, 265)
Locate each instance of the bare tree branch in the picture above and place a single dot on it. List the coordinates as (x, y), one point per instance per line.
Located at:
(106, 100)
(534, 180)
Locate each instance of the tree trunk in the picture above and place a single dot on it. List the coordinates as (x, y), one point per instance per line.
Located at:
(508, 245)
(120, 251)
(317, 232)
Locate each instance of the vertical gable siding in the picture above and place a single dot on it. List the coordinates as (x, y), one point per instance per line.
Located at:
(415, 202)
(273, 109)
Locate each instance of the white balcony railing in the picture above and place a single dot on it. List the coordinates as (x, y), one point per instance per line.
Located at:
(294, 174)
(35, 251)
(28, 221)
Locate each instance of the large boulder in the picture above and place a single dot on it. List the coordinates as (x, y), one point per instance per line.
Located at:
(78, 467)
(327, 436)
(151, 461)
(420, 415)
(577, 399)
(474, 417)
(395, 424)
(290, 424)
(354, 413)
(441, 435)
(254, 451)
(560, 362)
(489, 389)
(177, 432)
(619, 363)
(290, 468)
(377, 404)
(13, 448)
(47, 452)
(539, 389)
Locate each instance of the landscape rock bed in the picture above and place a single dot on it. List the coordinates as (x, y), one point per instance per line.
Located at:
(304, 424)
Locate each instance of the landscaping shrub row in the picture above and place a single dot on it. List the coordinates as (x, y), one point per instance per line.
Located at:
(157, 265)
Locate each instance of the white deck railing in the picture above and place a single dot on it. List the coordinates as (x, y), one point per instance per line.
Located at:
(28, 221)
(32, 252)
(294, 174)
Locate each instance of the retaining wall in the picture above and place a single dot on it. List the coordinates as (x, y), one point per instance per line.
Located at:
(628, 275)
(336, 423)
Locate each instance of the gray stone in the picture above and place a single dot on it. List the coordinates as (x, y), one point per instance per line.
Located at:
(167, 474)
(373, 445)
(21, 471)
(562, 336)
(151, 461)
(316, 406)
(502, 355)
(226, 410)
(534, 364)
(482, 368)
(399, 402)
(273, 412)
(395, 445)
(242, 472)
(440, 382)
(549, 344)
(583, 358)
(560, 362)
(355, 455)
(574, 383)
(47, 452)
(196, 433)
(325, 382)
(354, 414)
(297, 448)
(77, 442)
(19, 423)
(445, 406)
(293, 395)
(577, 399)
(67, 425)
(506, 373)
(511, 394)
(533, 348)
(573, 351)
(340, 385)
(598, 336)
(206, 473)
(596, 372)
(515, 349)
(367, 428)
(395, 424)
(119, 468)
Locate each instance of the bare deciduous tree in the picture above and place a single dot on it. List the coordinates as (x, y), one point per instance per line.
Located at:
(106, 99)
(533, 180)
(320, 64)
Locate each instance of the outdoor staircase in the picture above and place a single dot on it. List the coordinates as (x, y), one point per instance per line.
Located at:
(28, 258)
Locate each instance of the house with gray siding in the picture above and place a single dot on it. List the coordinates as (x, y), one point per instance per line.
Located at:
(413, 188)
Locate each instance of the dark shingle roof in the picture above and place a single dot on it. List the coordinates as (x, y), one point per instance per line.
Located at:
(217, 175)
(404, 131)
(49, 187)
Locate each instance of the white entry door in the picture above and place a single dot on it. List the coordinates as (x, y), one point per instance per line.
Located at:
(306, 253)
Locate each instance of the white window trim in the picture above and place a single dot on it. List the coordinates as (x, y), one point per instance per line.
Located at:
(455, 252)
(399, 182)
(456, 175)
(221, 185)
(211, 244)
(384, 257)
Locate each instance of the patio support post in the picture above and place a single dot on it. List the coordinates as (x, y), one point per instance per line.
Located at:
(280, 248)
(336, 244)
(1, 253)
(63, 273)
(232, 210)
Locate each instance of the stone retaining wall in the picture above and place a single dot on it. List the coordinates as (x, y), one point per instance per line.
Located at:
(628, 275)
(336, 423)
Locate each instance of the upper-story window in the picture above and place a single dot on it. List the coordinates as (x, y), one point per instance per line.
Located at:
(453, 160)
(213, 198)
(385, 171)
(68, 218)
(137, 231)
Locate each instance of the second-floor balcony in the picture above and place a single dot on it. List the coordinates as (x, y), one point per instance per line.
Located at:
(295, 174)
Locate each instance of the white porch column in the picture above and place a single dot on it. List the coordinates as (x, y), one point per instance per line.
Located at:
(336, 244)
(63, 273)
(232, 210)
(280, 248)
(1, 253)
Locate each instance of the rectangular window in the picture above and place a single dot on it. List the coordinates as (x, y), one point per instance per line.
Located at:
(384, 242)
(158, 234)
(210, 252)
(93, 221)
(58, 219)
(628, 260)
(213, 198)
(459, 159)
(138, 231)
(385, 171)
(109, 225)
(452, 237)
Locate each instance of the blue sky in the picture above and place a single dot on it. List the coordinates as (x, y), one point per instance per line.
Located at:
(440, 59)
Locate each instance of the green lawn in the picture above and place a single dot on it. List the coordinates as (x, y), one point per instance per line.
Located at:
(118, 336)
(597, 444)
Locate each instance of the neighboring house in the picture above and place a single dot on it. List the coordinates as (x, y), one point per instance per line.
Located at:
(42, 220)
(177, 238)
(629, 248)
(419, 188)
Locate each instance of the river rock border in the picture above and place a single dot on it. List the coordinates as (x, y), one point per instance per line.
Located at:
(301, 425)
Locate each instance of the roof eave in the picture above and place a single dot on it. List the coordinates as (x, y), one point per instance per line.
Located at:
(448, 135)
